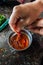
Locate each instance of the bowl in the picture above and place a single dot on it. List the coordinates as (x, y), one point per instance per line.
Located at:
(28, 34)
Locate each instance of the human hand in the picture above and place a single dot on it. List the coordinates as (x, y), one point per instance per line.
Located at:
(27, 13)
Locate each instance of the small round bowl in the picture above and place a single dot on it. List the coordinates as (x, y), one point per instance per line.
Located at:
(29, 35)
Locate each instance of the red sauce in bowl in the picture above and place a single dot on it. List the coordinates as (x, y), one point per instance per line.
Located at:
(22, 41)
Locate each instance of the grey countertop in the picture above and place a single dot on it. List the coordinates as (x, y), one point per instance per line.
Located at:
(31, 56)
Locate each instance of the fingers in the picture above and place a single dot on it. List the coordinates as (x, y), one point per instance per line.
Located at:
(38, 23)
(37, 27)
(14, 17)
(23, 22)
(36, 30)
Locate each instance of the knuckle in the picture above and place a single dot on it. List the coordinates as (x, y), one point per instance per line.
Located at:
(41, 32)
(16, 8)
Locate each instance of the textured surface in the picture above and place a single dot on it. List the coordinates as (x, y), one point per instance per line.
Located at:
(31, 56)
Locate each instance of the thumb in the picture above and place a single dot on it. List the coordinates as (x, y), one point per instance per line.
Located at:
(14, 17)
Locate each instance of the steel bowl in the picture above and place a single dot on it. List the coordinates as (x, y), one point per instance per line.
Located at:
(24, 31)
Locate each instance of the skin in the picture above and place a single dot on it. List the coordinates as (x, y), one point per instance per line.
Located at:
(28, 14)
